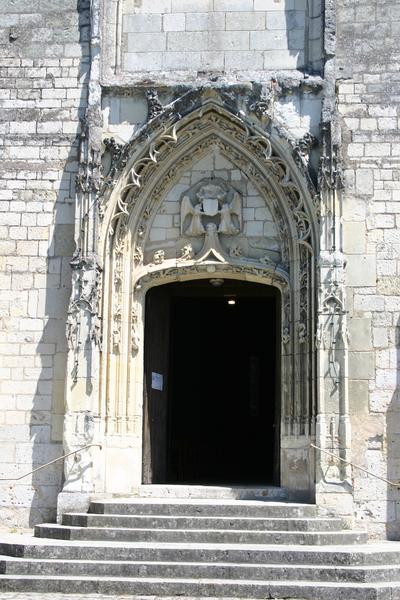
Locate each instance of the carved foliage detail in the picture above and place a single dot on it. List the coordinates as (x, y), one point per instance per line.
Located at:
(83, 321)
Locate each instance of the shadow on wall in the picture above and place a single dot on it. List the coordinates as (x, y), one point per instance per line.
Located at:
(393, 442)
(47, 415)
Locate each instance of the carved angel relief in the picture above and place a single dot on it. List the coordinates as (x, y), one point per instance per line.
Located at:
(211, 202)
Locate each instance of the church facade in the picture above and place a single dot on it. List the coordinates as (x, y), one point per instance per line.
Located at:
(200, 225)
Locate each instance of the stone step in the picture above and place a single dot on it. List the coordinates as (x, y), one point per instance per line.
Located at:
(220, 508)
(200, 536)
(197, 588)
(385, 553)
(172, 492)
(188, 570)
(195, 522)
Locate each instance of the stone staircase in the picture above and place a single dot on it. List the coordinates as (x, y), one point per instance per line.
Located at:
(195, 547)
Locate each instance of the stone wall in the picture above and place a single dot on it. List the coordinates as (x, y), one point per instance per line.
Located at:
(161, 37)
(369, 86)
(173, 45)
(44, 69)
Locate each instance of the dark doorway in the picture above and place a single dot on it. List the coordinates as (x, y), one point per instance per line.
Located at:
(211, 411)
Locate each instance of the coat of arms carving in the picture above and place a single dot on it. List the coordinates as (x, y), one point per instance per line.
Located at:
(211, 203)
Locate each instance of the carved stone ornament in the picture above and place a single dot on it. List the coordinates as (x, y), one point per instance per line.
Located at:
(83, 322)
(303, 147)
(263, 108)
(89, 177)
(187, 252)
(134, 331)
(138, 255)
(330, 175)
(211, 201)
(235, 251)
(154, 106)
(159, 257)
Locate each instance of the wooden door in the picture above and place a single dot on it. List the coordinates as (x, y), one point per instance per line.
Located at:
(156, 362)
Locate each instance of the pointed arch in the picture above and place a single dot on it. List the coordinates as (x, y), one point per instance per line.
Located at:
(154, 160)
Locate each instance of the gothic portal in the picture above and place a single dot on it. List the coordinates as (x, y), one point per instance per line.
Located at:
(205, 197)
(199, 254)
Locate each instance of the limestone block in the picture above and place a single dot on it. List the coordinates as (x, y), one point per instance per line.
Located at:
(142, 23)
(189, 6)
(275, 59)
(118, 480)
(254, 228)
(147, 42)
(386, 379)
(274, 5)
(378, 510)
(361, 365)
(181, 41)
(389, 286)
(380, 401)
(296, 39)
(360, 334)
(243, 60)
(157, 234)
(206, 22)
(153, 6)
(365, 181)
(229, 40)
(204, 164)
(354, 237)
(181, 60)
(64, 240)
(162, 221)
(380, 337)
(277, 20)
(249, 21)
(57, 425)
(142, 61)
(355, 150)
(354, 209)
(212, 61)
(361, 270)
(255, 202)
(17, 433)
(174, 22)
(377, 149)
(367, 488)
(233, 5)
(268, 40)
(358, 397)
(368, 303)
(15, 417)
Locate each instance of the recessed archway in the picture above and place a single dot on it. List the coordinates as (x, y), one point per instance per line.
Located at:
(253, 221)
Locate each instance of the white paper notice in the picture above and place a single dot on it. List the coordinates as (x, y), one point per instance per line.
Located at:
(157, 381)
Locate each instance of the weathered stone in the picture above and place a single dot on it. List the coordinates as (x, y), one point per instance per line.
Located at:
(255, 69)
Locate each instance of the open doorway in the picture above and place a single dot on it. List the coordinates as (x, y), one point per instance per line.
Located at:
(211, 411)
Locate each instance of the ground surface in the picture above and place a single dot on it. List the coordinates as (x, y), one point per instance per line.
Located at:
(21, 596)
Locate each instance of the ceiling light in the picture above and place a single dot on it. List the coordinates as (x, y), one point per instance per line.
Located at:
(216, 282)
